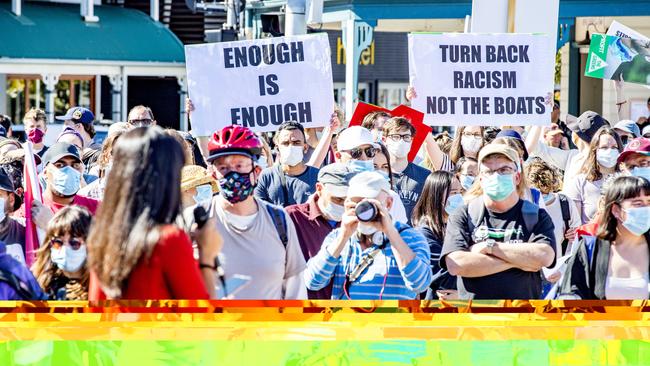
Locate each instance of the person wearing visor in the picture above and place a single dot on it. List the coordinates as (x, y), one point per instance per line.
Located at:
(627, 130)
(81, 120)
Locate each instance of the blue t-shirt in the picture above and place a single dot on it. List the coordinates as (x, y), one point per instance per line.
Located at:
(298, 188)
(409, 185)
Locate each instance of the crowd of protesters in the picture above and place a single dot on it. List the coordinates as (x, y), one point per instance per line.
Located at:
(510, 212)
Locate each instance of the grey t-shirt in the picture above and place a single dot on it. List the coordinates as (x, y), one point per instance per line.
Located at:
(409, 185)
(12, 233)
(258, 252)
(298, 188)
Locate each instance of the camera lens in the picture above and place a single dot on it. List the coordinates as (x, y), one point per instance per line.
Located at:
(366, 211)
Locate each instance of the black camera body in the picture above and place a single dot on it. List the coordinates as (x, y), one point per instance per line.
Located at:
(367, 211)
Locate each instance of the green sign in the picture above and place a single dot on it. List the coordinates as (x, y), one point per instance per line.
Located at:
(618, 58)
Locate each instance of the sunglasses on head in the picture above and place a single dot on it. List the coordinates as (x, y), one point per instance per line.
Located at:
(370, 152)
(57, 243)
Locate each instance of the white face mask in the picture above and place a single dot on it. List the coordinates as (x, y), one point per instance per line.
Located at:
(607, 157)
(291, 155)
(68, 259)
(333, 211)
(471, 144)
(400, 149)
(366, 229)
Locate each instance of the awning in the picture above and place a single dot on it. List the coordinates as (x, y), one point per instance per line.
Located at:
(57, 32)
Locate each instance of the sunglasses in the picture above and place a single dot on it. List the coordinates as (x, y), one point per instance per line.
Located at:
(141, 122)
(370, 152)
(57, 243)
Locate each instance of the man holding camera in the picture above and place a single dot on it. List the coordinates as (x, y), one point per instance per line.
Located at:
(370, 256)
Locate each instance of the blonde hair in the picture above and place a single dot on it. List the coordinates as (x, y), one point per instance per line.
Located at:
(36, 114)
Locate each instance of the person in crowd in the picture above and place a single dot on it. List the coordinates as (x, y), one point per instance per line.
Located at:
(60, 267)
(197, 185)
(35, 129)
(8, 145)
(266, 158)
(291, 181)
(635, 159)
(16, 281)
(12, 231)
(382, 166)
(440, 198)
(141, 116)
(135, 251)
(468, 141)
(408, 177)
(584, 188)
(96, 189)
(261, 239)
(498, 242)
(377, 259)
(570, 162)
(63, 171)
(466, 173)
(627, 130)
(646, 132)
(187, 151)
(565, 216)
(193, 146)
(357, 148)
(554, 137)
(71, 136)
(81, 120)
(374, 122)
(617, 263)
(321, 214)
(7, 124)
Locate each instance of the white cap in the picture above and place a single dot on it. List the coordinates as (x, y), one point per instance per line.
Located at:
(646, 129)
(353, 137)
(368, 185)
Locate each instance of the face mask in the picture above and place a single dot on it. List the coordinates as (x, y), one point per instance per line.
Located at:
(334, 211)
(498, 187)
(638, 220)
(360, 166)
(2, 209)
(66, 181)
(471, 144)
(607, 157)
(291, 155)
(35, 135)
(383, 174)
(399, 149)
(641, 172)
(68, 259)
(366, 229)
(548, 197)
(466, 181)
(236, 187)
(453, 203)
(203, 193)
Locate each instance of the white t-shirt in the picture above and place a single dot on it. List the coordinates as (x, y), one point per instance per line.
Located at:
(584, 194)
(569, 161)
(397, 211)
(554, 209)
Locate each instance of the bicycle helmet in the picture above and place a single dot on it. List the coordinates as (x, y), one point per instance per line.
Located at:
(234, 139)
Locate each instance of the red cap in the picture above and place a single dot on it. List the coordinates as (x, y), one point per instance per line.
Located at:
(639, 145)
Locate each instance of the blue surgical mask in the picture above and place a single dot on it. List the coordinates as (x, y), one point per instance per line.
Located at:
(607, 157)
(641, 172)
(203, 193)
(68, 259)
(466, 181)
(383, 174)
(637, 220)
(498, 187)
(453, 203)
(360, 166)
(547, 197)
(66, 181)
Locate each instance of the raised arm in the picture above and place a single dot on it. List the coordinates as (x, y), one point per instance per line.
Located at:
(622, 108)
(320, 152)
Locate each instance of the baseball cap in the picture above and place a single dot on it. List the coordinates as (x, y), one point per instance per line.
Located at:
(61, 150)
(554, 129)
(368, 185)
(78, 115)
(628, 126)
(498, 149)
(640, 145)
(336, 177)
(193, 176)
(587, 124)
(353, 137)
(515, 135)
(6, 184)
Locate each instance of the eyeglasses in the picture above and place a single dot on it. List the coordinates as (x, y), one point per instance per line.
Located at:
(370, 152)
(141, 122)
(505, 170)
(475, 135)
(641, 164)
(397, 137)
(57, 243)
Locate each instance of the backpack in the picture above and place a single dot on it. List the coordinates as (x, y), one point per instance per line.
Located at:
(476, 211)
(566, 217)
(280, 222)
(22, 288)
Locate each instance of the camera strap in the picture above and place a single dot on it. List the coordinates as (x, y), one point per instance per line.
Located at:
(365, 262)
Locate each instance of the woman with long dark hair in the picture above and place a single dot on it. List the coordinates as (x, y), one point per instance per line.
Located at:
(440, 198)
(615, 264)
(135, 249)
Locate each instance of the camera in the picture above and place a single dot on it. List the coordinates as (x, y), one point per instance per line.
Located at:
(367, 211)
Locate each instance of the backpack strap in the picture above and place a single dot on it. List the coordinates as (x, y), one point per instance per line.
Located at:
(530, 212)
(22, 289)
(280, 222)
(536, 195)
(566, 217)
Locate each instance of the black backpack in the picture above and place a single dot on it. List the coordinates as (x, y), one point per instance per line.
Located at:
(23, 290)
(476, 211)
(566, 217)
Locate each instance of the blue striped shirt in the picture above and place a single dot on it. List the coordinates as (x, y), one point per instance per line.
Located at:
(400, 283)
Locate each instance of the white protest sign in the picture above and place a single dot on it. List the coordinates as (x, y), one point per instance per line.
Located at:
(482, 79)
(619, 30)
(260, 83)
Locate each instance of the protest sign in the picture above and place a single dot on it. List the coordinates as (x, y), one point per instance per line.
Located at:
(260, 83)
(416, 118)
(482, 79)
(617, 58)
(617, 29)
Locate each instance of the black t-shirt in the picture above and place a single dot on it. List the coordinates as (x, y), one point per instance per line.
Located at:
(510, 227)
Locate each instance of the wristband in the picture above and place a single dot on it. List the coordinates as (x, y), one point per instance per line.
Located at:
(203, 265)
